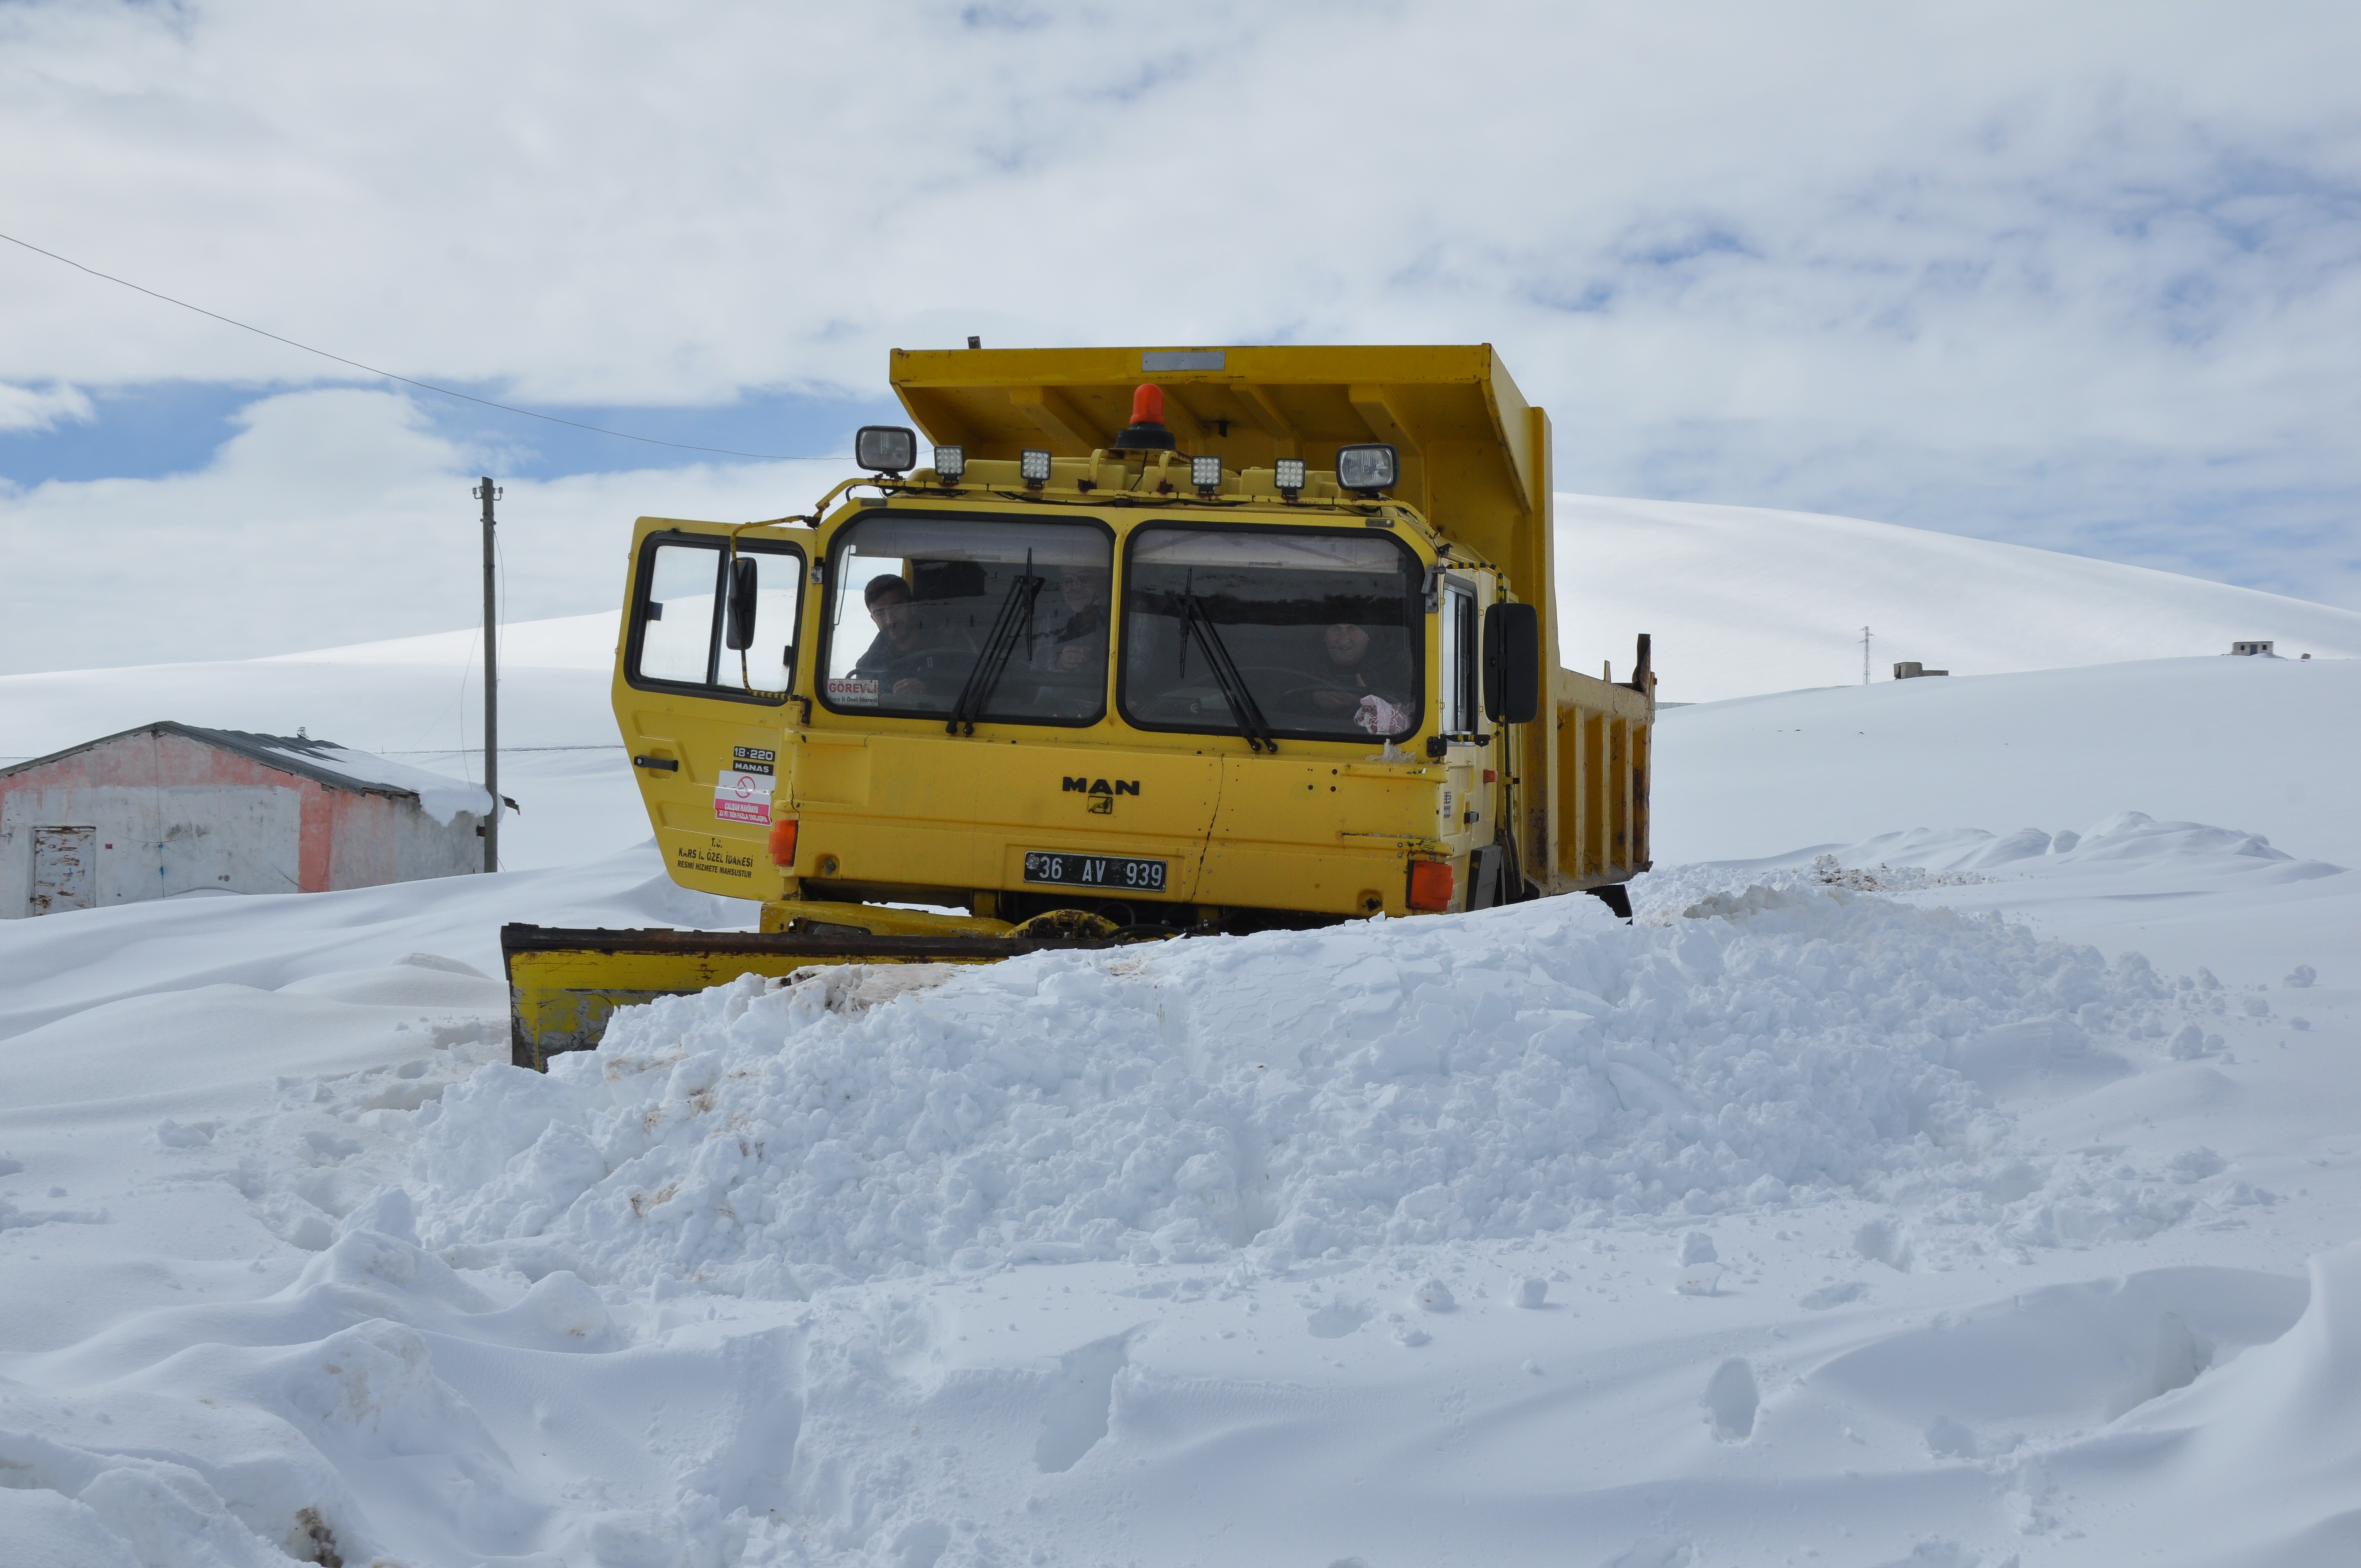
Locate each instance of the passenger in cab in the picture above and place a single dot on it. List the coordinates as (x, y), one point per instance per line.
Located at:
(1080, 640)
(1360, 681)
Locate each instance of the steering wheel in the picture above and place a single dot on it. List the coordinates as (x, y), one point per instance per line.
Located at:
(1278, 678)
(1298, 689)
(935, 661)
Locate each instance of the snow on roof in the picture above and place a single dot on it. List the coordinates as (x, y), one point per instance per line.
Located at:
(439, 795)
(339, 767)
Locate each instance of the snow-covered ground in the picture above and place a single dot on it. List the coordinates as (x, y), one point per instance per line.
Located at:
(1956, 1163)
(2265, 743)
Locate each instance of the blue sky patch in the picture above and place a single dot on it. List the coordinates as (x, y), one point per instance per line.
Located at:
(175, 427)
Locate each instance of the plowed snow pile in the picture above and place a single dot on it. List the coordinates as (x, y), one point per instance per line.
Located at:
(1298, 1095)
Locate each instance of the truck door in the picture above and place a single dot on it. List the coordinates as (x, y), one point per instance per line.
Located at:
(702, 717)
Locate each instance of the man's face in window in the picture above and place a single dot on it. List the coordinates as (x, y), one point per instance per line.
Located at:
(1083, 586)
(1346, 643)
(895, 615)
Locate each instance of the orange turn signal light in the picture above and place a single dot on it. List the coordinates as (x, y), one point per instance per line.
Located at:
(782, 841)
(1429, 884)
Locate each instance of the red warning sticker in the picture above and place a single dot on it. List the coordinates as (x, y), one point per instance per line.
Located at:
(742, 796)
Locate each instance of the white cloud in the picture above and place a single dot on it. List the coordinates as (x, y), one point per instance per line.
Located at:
(2079, 276)
(333, 517)
(41, 408)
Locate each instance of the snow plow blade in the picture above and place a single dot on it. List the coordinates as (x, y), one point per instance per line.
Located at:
(564, 983)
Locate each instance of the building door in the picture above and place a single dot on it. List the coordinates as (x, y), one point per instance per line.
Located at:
(65, 869)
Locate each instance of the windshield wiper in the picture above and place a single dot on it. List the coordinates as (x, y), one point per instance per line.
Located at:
(1016, 620)
(1226, 673)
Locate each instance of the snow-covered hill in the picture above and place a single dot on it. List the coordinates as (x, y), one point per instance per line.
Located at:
(2270, 745)
(1742, 601)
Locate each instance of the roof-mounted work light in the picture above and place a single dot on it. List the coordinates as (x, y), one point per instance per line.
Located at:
(1205, 473)
(886, 448)
(1368, 470)
(1033, 465)
(950, 463)
(1289, 474)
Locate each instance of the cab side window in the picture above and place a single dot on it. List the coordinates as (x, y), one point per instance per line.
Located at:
(679, 614)
(1460, 672)
(677, 604)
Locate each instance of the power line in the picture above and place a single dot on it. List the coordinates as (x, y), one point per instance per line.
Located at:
(422, 386)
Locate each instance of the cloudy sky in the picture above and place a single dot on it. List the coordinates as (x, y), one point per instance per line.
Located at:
(2081, 277)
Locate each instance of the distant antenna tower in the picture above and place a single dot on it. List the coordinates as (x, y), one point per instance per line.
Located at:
(1864, 655)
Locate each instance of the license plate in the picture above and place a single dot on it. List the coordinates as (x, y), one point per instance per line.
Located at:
(1110, 871)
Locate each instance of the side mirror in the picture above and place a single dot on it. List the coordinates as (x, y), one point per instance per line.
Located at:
(1512, 663)
(738, 634)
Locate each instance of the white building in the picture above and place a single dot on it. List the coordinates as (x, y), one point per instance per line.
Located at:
(171, 808)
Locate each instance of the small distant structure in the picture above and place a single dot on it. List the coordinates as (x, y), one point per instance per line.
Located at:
(171, 808)
(1911, 670)
(2261, 650)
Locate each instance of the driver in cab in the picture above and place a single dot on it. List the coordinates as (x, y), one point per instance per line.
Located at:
(1361, 683)
(897, 658)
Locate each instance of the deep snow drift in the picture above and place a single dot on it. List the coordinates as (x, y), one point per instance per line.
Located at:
(1289, 1098)
(1804, 1215)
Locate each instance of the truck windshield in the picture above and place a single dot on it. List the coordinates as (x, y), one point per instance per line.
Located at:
(1272, 632)
(970, 619)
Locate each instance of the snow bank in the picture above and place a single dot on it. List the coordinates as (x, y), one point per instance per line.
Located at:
(2050, 749)
(1918, 858)
(325, 1423)
(1298, 1095)
(2124, 838)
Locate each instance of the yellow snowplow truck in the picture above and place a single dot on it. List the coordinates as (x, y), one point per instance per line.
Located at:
(1151, 642)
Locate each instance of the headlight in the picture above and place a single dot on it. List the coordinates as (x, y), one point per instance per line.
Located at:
(1289, 474)
(1205, 473)
(1368, 469)
(886, 448)
(1033, 465)
(950, 463)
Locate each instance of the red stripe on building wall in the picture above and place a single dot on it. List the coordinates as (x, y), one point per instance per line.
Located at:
(319, 835)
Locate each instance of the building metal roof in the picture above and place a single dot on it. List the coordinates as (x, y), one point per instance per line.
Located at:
(323, 762)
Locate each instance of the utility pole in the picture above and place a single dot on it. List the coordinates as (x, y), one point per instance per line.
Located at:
(487, 493)
(1864, 631)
